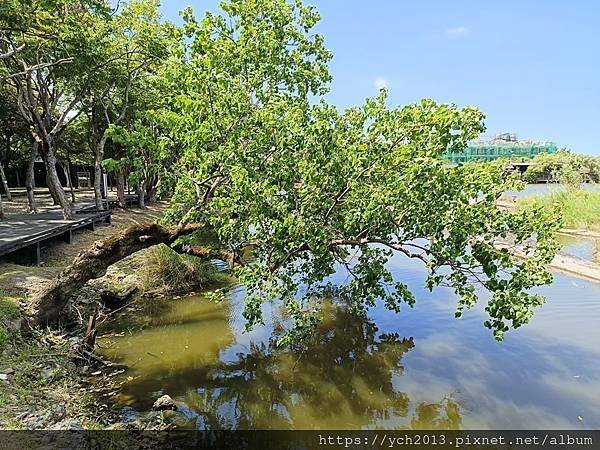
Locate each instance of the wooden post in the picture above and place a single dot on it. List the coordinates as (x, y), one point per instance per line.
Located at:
(35, 254)
(68, 236)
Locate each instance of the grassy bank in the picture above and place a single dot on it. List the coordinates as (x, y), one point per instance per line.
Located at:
(163, 270)
(42, 384)
(579, 209)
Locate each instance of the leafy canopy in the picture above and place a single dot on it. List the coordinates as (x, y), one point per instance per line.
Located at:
(229, 113)
(267, 163)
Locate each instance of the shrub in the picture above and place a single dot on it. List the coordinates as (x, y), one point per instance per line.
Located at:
(168, 270)
(564, 167)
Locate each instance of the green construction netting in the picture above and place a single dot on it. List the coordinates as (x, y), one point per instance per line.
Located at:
(491, 151)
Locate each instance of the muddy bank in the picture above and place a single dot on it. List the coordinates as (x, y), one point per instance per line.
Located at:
(576, 266)
(580, 233)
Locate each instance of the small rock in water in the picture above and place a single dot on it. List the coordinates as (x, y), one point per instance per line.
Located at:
(164, 403)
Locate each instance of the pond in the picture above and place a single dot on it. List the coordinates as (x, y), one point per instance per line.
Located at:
(419, 369)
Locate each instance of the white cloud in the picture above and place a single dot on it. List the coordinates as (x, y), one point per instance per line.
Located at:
(458, 30)
(381, 83)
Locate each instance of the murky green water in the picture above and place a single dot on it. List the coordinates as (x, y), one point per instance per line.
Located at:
(419, 369)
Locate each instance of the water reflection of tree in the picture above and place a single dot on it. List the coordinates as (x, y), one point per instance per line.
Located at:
(343, 379)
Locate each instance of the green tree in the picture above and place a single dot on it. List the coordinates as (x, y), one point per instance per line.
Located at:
(144, 144)
(142, 147)
(52, 51)
(267, 164)
(138, 43)
(236, 122)
(564, 167)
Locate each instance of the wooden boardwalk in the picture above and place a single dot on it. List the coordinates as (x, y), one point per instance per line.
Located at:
(21, 236)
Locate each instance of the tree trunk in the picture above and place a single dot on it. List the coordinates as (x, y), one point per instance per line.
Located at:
(98, 157)
(120, 175)
(66, 167)
(30, 179)
(5, 183)
(47, 304)
(53, 194)
(141, 192)
(70, 182)
(48, 153)
(1, 208)
(2, 174)
(152, 188)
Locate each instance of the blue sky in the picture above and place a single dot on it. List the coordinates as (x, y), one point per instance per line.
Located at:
(533, 67)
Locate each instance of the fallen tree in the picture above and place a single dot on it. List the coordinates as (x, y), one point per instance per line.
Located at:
(46, 304)
(314, 190)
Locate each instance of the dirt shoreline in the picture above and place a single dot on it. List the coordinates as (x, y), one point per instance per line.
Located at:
(568, 264)
(580, 233)
(43, 383)
(576, 267)
(562, 262)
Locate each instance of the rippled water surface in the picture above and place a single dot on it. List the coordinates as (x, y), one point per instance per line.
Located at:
(418, 369)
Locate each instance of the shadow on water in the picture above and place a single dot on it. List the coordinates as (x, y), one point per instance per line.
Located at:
(418, 369)
(344, 378)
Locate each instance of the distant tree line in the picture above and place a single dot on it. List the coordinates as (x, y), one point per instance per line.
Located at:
(564, 167)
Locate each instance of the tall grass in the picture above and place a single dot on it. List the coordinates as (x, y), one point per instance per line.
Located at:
(578, 208)
(164, 269)
(8, 310)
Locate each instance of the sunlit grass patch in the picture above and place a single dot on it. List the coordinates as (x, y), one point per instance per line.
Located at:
(166, 269)
(578, 208)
